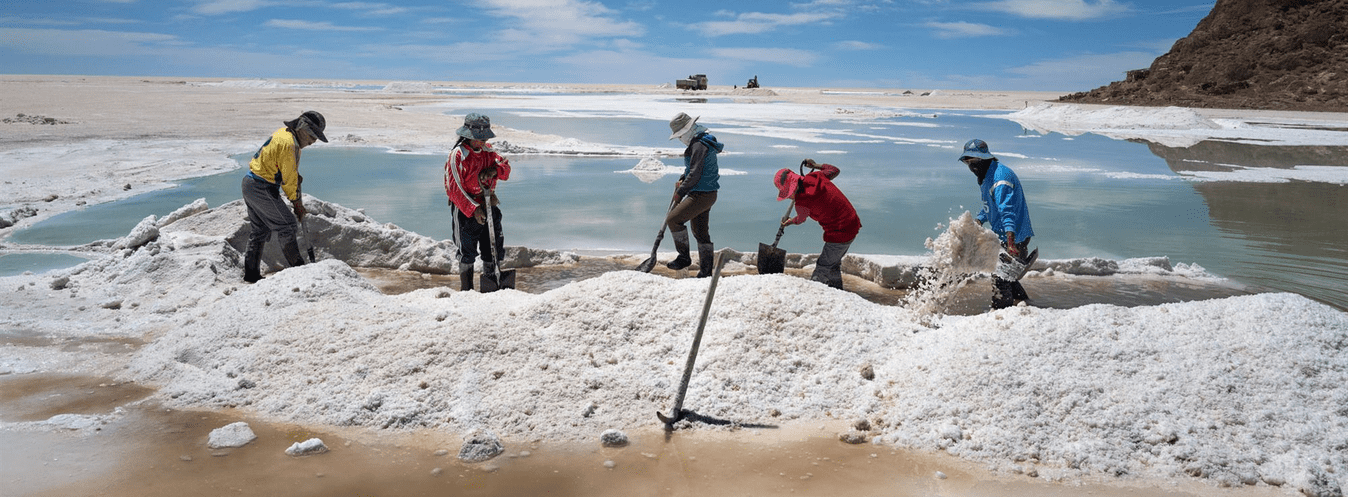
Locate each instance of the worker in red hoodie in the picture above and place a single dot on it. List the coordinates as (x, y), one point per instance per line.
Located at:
(817, 198)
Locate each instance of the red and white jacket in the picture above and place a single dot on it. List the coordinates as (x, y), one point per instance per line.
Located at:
(461, 175)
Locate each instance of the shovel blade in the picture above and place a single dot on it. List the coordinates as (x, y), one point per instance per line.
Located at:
(771, 260)
(647, 265)
(490, 284)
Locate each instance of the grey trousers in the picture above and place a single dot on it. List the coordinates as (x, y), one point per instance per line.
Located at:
(267, 212)
(828, 268)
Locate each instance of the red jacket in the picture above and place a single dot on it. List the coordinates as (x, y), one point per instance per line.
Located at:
(461, 171)
(821, 200)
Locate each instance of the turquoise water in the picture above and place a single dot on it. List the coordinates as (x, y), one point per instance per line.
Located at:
(1089, 196)
(38, 263)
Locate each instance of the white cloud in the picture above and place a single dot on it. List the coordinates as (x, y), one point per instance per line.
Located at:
(759, 22)
(966, 30)
(787, 56)
(856, 45)
(313, 26)
(1082, 72)
(542, 24)
(83, 42)
(214, 7)
(1067, 10)
(378, 9)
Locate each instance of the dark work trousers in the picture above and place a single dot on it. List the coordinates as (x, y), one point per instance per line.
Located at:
(471, 240)
(267, 212)
(1005, 293)
(695, 207)
(828, 268)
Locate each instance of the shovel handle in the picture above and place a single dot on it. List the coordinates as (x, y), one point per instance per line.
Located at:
(781, 227)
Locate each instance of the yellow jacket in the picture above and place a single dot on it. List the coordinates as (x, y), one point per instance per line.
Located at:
(278, 162)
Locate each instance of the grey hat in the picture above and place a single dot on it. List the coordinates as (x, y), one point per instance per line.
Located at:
(976, 148)
(476, 127)
(315, 122)
(681, 124)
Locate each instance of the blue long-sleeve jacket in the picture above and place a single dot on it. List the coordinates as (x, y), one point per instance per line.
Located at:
(1004, 207)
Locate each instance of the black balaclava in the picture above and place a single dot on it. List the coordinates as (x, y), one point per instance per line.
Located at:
(980, 169)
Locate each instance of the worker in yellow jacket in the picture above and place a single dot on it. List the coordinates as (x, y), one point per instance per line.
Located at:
(273, 170)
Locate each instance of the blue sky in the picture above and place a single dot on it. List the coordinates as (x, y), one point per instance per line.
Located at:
(1055, 45)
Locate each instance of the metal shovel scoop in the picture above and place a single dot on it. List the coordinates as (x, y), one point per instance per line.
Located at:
(772, 260)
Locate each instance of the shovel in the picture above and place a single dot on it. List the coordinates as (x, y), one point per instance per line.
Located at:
(304, 226)
(772, 260)
(677, 413)
(647, 265)
(499, 279)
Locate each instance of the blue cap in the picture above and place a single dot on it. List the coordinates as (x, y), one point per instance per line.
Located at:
(976, 148)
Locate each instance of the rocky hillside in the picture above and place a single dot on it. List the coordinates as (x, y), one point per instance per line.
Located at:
(1247, 54)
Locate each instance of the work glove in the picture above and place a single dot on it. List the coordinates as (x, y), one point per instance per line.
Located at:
(480, 215)
(300, 211)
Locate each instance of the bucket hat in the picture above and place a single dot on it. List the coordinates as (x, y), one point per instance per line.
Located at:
(476, 127)
(786, 181)
(976, 148)
(313, 120)
(682, 124)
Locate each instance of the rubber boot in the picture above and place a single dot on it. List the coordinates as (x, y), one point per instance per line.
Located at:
(706, 258)
(1018, 292)
(466, 279)
(291, 251)
(681, 245)
(251, 260)
(1003, 295)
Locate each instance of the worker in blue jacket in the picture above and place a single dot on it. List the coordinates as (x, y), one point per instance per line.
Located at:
(1005, 211)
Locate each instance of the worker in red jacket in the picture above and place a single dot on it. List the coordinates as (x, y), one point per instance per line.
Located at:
(472, 168)
(817, 198)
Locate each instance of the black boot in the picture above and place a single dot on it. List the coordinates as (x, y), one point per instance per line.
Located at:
(706, 258)
(681, 245)
(1003, 295)
(291, 251)
(466, 279)
(251, 260)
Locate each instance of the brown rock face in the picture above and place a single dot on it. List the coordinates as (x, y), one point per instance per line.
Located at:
(1247, 54)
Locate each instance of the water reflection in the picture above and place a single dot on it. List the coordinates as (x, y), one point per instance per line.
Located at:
(1288, 236)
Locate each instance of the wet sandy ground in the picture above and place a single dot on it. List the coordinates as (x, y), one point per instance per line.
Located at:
(152, 451)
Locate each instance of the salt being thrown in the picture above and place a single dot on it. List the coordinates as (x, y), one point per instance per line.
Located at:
(963, 250)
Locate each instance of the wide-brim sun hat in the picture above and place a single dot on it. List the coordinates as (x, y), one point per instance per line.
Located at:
(315, 121)
(976, 148)
(476, 127)
(682, 124)
(786, 181)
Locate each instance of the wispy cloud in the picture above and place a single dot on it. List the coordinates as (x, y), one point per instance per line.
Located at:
(760, 22)
(1067, 10)
(560, 23)
(216, 7)
(313, 26)
(1083, 71)
(966, 30)
(82, 42)
(785, 56)
(856, 45)
(378, 9)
